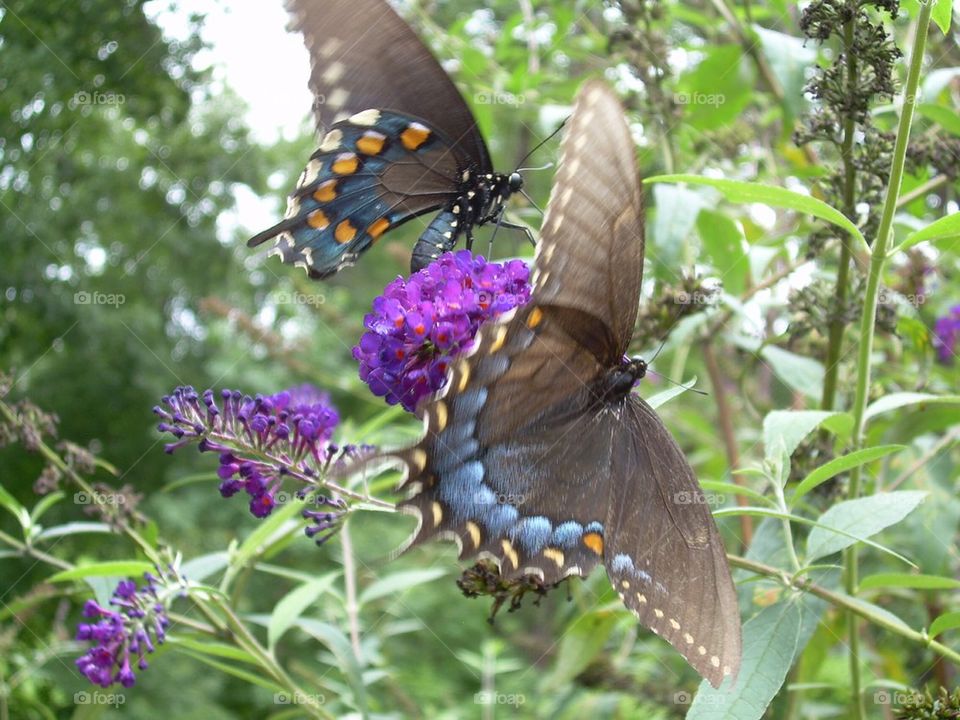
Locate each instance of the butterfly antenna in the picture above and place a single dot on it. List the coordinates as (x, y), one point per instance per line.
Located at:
(674, 382)
(543, 142)
(662, 343)
(545, 166)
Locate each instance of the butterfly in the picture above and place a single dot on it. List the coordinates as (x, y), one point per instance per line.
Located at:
(403, 143)
(538, 454)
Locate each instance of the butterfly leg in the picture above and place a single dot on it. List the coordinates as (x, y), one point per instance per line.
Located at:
(524, 228)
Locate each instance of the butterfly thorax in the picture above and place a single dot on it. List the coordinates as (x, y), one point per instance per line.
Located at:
(618, 381)
(487, 193)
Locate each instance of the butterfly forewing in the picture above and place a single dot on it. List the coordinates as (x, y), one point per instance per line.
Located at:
(590, 255)
(363, 55)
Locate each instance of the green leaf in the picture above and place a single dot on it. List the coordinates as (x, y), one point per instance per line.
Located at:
(946, 228)
(118, 568)
(202, 567)
(334, 639)
(801, 373)
(841, 464)
(896, 401)
(45, 504)
(716, 91)
(862, 517)
(253, 678)
(293, 605)
(583, 641)
(73, 528)
(764, 512)
(744, 192)
(871, 609)
(769, 645)
(398, 582)
(216, 649)
(665, 396)
(909, 580)
(784, 430)
(16, 509)
(947, 621)
(945, 117)
(942, 14)
(724, 245)
(676, 214)
(715, 486)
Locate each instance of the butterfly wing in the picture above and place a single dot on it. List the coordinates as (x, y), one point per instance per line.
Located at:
(363, 55)
(590, 255)
(663, 553)
(373, 172)
(507, 499)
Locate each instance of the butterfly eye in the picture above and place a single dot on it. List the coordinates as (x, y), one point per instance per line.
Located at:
(515, 182)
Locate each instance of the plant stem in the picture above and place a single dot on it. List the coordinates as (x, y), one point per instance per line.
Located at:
(350, 587)
(848, 603)
(33, 552)
(725, 419)
(878, 257)
(837, 325)
(921, 190)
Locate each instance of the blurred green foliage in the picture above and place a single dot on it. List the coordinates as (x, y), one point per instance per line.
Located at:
(119, 163)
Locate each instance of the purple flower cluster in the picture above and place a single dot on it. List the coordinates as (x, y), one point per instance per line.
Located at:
(418, 324)
(122, 634)
(946, 333)
(261, 440)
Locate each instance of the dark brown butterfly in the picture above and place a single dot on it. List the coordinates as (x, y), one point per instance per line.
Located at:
(538, 454)
(403, 143)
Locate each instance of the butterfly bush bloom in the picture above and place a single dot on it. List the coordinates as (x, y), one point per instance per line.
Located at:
(946, 333)
(123, 634)
(262, 441)
(421, 322)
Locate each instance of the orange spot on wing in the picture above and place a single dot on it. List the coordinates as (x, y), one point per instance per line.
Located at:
(345, 164)
(318, 220)
(326, 192)
(414, 136)
(345, 232)
(594, 541)
(534, 318)
(378, 228)
(371, 143)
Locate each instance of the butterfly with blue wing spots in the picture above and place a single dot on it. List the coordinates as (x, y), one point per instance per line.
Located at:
(402, 143)
(538, 454)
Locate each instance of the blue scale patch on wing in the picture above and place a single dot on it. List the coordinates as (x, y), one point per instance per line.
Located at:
(372, 172)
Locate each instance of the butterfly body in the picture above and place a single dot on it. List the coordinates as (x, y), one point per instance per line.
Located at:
(539, 455)
(402, 143)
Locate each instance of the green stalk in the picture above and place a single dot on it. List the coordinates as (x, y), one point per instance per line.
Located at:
(845, 602)
(837, 325)
(878, 257)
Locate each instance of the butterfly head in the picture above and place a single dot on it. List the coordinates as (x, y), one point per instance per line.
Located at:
(620, 379)
(515, 182)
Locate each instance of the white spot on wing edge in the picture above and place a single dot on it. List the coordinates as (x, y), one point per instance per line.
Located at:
(366, 118)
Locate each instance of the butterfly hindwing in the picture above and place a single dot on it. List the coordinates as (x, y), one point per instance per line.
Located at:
(499, 498)
(373, 171)
(664, 555)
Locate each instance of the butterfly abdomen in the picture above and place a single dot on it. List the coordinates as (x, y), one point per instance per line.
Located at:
(439, 237)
